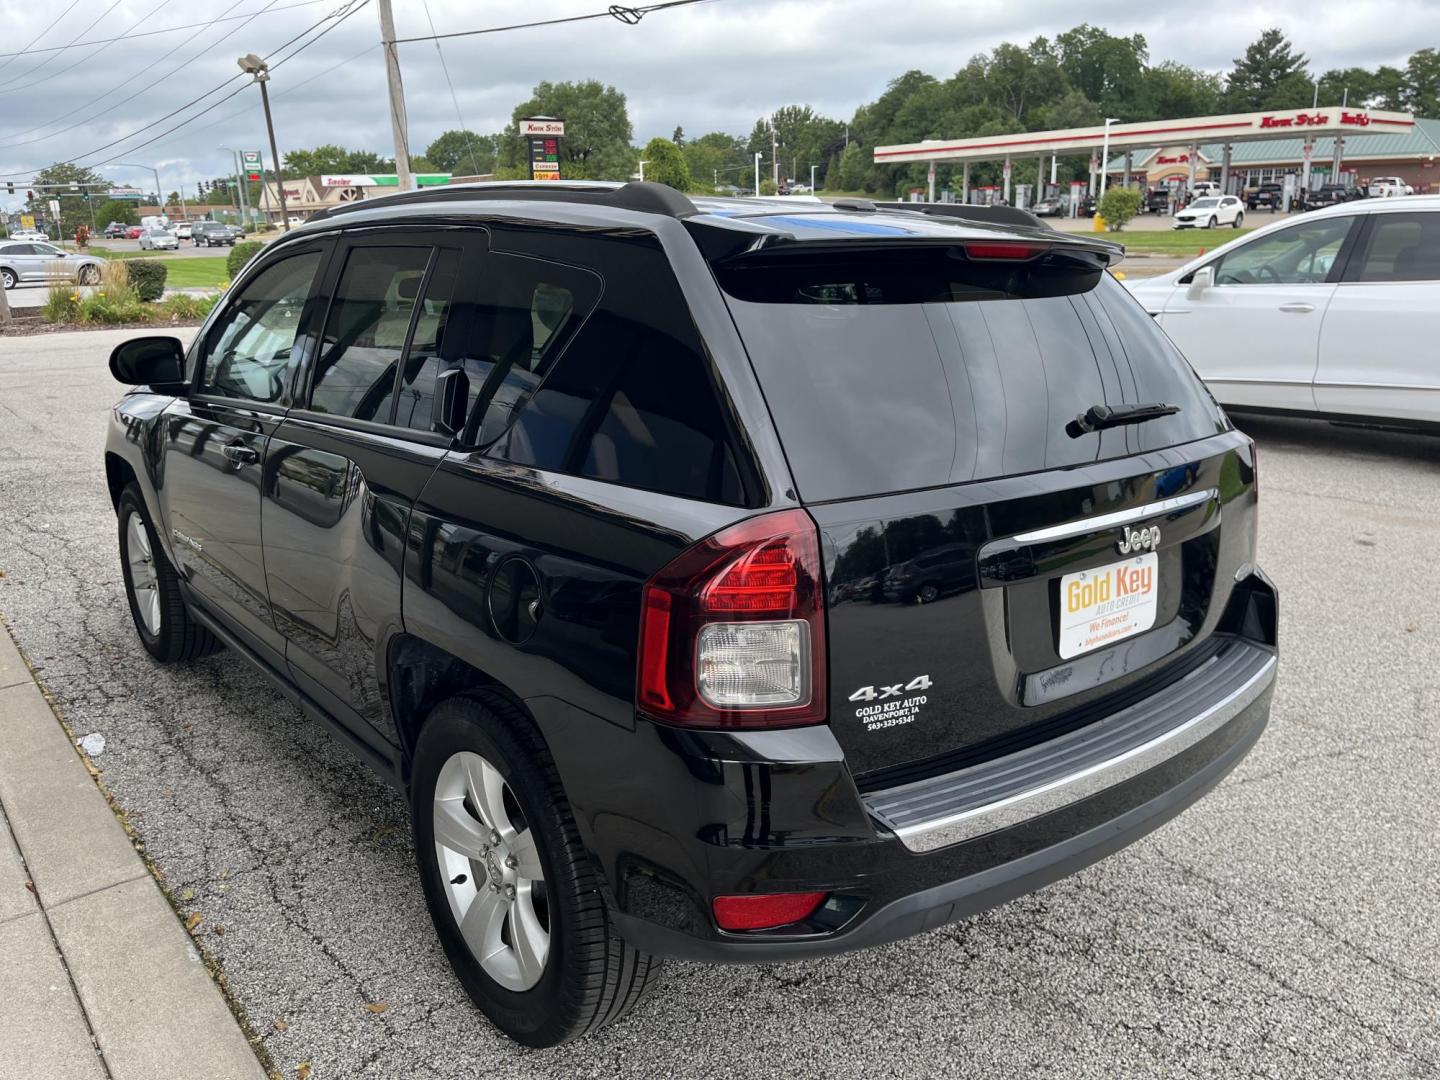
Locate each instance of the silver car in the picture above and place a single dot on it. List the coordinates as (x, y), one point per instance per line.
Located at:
(158, 240)
(36, 261)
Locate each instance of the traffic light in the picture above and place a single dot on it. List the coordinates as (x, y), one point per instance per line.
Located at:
(85, 195)
(9, 187)
(29, 196)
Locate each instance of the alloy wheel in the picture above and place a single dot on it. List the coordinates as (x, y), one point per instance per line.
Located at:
(144, 581)
(7, 279)
(491, 870)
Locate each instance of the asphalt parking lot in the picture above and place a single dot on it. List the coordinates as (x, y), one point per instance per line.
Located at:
(1284, 927)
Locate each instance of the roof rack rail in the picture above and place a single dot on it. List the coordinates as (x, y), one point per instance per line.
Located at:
(994, 215)
(642, 196)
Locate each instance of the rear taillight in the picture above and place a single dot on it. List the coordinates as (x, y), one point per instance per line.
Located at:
(765, 911)
(1004, 250)
(732, 632)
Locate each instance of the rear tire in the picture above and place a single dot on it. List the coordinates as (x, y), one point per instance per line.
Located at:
(1239, 220)
(7, 278)
(1211, 223)
(152, 588)
(513, 873)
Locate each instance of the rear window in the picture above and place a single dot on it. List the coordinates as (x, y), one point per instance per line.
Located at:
(882, 381)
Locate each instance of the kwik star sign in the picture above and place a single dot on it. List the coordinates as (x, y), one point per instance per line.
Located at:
(543, 134)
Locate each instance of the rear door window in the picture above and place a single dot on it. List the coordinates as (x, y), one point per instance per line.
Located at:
(1401, 247)
(883, 381)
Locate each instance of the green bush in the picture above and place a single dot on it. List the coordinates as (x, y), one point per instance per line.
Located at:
(110, 309)
(147, 278)
(185, 307)
(239, 255)
(1117, 206)
(62, 303)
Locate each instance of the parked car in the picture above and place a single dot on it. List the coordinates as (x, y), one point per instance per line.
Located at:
(535, 499)
(235, 231)
(28, 261)
(29, 234)
(116, 230)
(1333, 314)
(134, 232)
(183, 229)
(1211, 211)
(1049, 208)
(1202, 189)
(1327, 195)
(1086, 206)
(1265, 197)
(212, 234)
(158, 240)
(1389, 187)
(1157, 201)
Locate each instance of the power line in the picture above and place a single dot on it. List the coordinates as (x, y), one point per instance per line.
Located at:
(339, 18)
(148, 86)
(10, 57)
(149, 33)
(26, 85)
(464, 131)
(343, 13)
(77, 37)
(630, 16)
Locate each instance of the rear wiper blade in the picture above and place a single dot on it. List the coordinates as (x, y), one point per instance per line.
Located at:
(1099, 417)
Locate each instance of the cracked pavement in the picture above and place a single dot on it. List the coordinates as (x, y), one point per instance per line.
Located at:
(1285, 926)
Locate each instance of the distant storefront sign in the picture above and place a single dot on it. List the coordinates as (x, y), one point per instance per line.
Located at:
(543, 134)
(367, 180)
(126, 193)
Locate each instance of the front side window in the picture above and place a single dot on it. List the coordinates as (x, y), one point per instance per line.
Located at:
(1300, 255)
(365, 332)
(251, 347)
(1402, 247)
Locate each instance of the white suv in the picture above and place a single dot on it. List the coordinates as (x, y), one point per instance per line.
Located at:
(1335, 313)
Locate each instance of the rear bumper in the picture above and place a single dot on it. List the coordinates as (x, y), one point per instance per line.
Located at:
(930, 907)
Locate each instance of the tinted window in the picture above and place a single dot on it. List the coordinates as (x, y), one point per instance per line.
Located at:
(631, 400)
(1402, 247)
(250, 347)
(423, 362)
(872, 396)
(365, 332)
(1300, 255)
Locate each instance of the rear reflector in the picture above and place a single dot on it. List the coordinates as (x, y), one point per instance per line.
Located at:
(732, 631)
(764, 911)
(1005, 250)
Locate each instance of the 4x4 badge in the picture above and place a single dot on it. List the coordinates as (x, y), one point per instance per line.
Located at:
(1146, 539)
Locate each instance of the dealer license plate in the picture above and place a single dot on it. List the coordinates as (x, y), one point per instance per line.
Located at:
(1108, 604)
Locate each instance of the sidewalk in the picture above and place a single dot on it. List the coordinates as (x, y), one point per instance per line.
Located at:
(98, 979)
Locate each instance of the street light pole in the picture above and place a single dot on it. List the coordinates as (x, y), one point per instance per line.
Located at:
(757, 174)
(1105, 153)
(256, 67)
(812, 178)
(643, 163)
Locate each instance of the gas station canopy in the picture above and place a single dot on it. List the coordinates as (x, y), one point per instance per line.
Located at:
(1233, 128)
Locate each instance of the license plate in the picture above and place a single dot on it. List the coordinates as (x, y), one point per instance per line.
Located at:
(1102, 606)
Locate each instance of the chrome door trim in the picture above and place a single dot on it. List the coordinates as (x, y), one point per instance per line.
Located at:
(1119, 517)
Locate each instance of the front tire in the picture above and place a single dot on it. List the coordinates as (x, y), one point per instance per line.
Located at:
(89, 275)
(153, 589)
(517, 903)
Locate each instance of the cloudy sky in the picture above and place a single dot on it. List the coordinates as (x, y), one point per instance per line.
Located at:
(717, 65)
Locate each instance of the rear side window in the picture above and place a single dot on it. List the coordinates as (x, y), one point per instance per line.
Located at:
(879, 390)
(424, 361)
(365, 332)
(630, 400)
(1402, 247)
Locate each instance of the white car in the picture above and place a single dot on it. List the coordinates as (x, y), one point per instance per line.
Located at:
(183, 230)
(28, 234)
(1333, 314)
(1211, 211)
(158, 240)
(1387, 187)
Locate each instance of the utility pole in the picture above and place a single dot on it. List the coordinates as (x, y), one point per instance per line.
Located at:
(397, 95)
(757, 173)
(774, 155)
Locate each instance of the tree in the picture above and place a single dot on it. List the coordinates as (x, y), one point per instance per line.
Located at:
(665, 164)
(678, 137)
(596, 145)
(64, 182)
(333, 159)
(1170, 90)
(716, 158)
(1423, 77)
(1271, 75)
(1108, 70)
(1118, 205)
(463, 152)
(853, 168)
(116, 210)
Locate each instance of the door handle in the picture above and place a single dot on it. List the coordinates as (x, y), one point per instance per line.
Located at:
(240, 454)
(1298, 308)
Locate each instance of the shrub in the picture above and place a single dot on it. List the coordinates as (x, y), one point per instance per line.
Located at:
(239, 255)
(147, 277)
(115, 277)
(62, 303)
(185, 307)
(109, 309)
(666, 164)
(1117, 206)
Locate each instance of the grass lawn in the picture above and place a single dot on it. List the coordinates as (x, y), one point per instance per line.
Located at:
(181, 272)
(1181, 243)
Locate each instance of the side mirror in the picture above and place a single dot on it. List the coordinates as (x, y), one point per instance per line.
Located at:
(1202, 279)
(157, 362)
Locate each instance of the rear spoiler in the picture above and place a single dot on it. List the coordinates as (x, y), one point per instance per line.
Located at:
(990, 215)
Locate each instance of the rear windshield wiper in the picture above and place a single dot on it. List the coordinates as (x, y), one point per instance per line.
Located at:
(1099, 417)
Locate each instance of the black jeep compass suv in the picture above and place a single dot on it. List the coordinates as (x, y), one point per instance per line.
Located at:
(735, 580)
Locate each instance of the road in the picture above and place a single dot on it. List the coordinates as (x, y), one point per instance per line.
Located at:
(1283, 927)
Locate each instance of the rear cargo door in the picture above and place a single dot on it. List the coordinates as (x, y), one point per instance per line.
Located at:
(993, 570)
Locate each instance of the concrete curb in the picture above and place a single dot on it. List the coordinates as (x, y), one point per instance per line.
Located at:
(102, 979)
